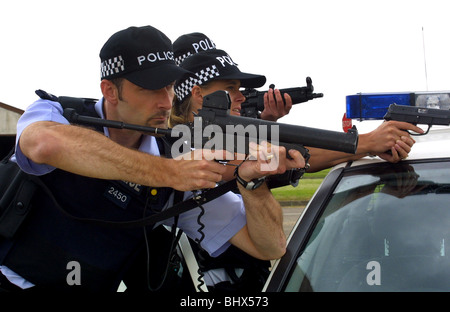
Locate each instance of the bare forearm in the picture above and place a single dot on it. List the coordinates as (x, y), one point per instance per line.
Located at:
(264, 223)
(321, 159)
(368, 143)
(86, 152)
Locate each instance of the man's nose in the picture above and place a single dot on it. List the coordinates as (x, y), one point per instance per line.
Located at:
(165, 98)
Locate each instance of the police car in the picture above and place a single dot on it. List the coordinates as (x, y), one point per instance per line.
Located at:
(376, 226)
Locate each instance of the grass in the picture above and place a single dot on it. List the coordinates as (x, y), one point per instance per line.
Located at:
(306, 187)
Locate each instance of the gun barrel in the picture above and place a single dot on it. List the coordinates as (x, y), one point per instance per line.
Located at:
(306, 136)
(72, 116)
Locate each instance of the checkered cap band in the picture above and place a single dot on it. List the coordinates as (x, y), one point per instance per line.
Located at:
(184, 89)
(112, 66)
(180, 59)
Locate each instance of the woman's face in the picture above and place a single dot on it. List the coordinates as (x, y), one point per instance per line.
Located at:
(231, 86)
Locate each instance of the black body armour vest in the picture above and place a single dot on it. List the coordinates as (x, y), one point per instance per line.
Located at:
(51, 248)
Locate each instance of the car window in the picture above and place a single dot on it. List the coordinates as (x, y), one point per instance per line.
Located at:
(385, 228)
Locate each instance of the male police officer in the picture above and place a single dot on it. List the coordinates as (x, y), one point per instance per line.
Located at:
(85, 171)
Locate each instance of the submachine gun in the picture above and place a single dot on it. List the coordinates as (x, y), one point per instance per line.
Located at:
(254, 102)
(215, 112)
(214, 124)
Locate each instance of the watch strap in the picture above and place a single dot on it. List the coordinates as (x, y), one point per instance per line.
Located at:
(251, 185)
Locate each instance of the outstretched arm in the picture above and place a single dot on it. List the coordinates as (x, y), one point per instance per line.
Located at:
(390, 141)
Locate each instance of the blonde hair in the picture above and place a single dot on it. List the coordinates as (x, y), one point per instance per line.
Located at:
(180, 111)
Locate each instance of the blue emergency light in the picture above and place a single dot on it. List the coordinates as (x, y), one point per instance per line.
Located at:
(366, 106)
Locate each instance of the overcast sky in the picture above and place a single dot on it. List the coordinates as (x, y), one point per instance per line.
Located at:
(346, 47)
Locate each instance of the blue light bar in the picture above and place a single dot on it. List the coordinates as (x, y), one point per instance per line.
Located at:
(375, 105)
(365, 106)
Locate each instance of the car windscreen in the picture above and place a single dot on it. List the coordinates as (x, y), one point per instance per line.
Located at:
(386, 227)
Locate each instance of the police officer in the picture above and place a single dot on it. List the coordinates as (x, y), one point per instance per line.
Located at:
(94, 175)
(276, 105)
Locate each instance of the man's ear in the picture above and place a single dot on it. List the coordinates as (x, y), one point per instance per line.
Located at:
(197, 94)
(109, 91)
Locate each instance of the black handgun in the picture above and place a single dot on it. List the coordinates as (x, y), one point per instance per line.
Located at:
(418, 115)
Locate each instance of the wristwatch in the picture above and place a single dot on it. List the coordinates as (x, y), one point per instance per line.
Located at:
(252, 185)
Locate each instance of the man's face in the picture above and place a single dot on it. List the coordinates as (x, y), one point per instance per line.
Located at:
(144, 107)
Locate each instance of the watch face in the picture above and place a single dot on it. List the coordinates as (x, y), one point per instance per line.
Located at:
(254, 184)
